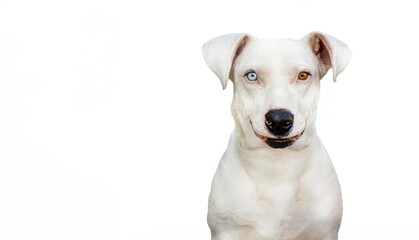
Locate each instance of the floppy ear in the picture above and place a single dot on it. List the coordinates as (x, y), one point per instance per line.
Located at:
(220, 53)
(331, 52)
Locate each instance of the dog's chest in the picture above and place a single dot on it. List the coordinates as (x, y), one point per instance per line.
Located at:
(266, 210)
(283, 210)
(288, 200)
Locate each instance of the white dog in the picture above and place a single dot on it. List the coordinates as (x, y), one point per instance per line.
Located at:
(275, 180)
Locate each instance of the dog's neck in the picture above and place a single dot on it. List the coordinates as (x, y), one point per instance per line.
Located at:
(263, 162)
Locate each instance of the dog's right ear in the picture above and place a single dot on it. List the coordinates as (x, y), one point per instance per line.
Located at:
(331, 52)
(220, 53)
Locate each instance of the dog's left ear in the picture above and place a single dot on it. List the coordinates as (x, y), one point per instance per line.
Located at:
(331, 52)
(220, 53)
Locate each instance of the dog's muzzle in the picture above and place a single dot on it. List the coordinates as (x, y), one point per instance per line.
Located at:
(278, 142)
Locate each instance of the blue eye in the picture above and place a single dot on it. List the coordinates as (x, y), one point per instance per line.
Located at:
(251, 76)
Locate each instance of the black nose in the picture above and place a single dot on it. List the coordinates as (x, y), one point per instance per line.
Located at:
(279, 122)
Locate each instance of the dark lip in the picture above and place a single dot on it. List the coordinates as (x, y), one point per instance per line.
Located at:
(278, 142)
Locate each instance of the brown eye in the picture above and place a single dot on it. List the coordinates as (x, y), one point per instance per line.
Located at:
(303, 76)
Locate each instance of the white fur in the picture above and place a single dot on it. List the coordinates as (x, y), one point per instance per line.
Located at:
(263, 193)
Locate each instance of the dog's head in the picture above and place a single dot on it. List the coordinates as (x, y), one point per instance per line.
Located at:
(276, 83)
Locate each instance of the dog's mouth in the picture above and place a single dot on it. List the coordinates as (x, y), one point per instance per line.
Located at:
(278, 142)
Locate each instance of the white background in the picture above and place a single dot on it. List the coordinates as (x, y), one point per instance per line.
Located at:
(111, 124)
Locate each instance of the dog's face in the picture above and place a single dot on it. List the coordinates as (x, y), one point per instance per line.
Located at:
(276, 84)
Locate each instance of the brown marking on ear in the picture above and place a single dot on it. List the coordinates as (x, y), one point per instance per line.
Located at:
(320, 47)
(239, 49)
